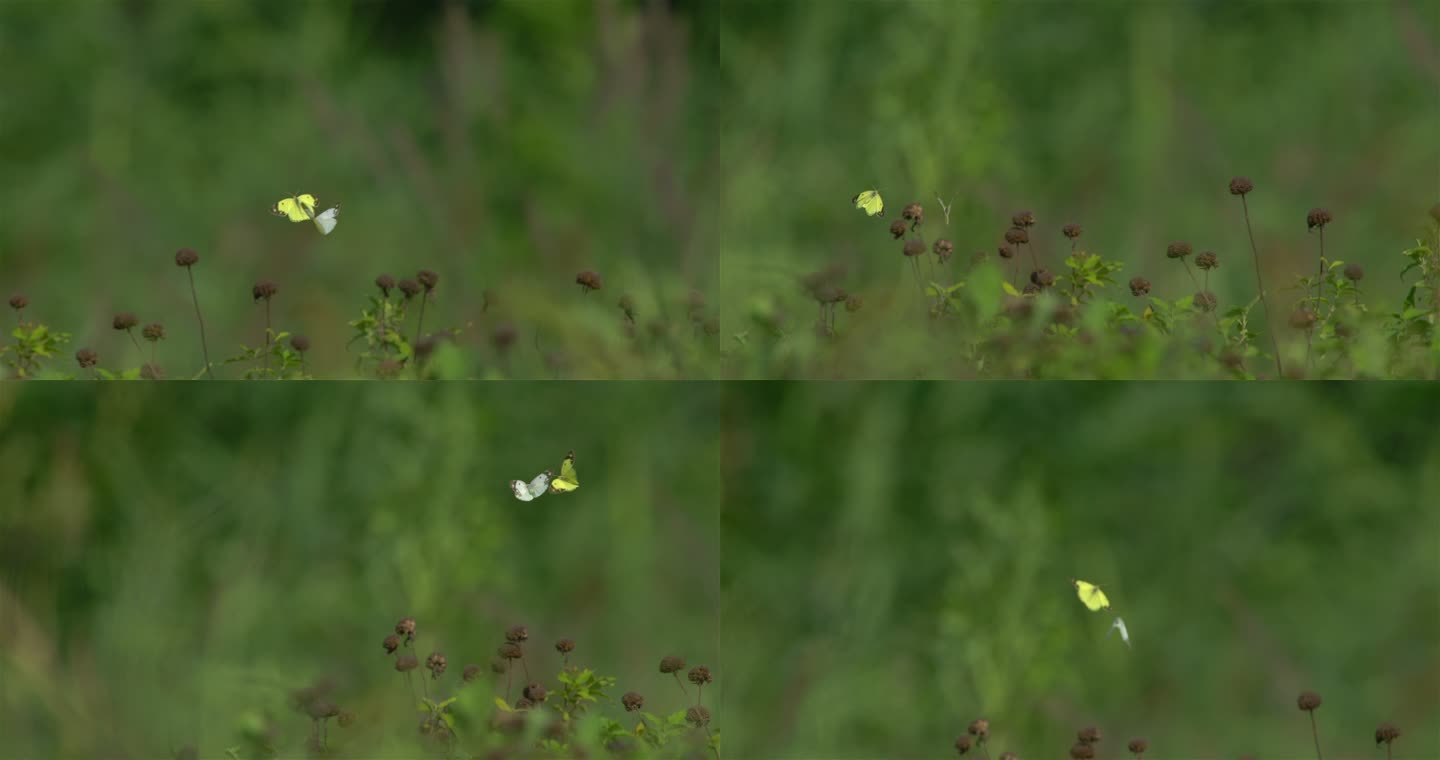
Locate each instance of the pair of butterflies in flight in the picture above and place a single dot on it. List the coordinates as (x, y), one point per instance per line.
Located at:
(546, 482)
(301, 208)
(1095, 600)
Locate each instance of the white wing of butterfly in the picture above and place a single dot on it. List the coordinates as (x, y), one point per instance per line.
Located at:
(532, 490)
(327, 219)
(1119, 625)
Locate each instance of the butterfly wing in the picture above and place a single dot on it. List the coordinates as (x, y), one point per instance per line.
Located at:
(1091, 596)
(870, 202)
(297, 208)
(532, 490)
(568, 480)
(1119, 625)
(521, 489)
(327, 220)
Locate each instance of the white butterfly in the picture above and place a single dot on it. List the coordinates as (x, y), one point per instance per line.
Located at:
(327, 219)
(532, 490)
(1119, 625)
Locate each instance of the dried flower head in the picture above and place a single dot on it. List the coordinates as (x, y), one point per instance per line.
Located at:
(385, 283)
(1139, 286)
(1303, 319)
(671, 664)
(699, 675)
(565, 646)
(913, 248)
(1016, 236)
(470, 673)
(1241, 185)
(979, 727)
(406, 627)
(898, 229)
(1308, 701)
(962, 744)
(1081, 751)
(153, 332)
(1042, 278)
(1178, 250)
(264, 290)
(86, 358)
(1071, 231)
(300, 343)
(1207, 260)
(499, 665)
(1205, 300)
(151, 371)
(1318, 217)
(1006, 252)
(428, 279)
(1138, 746)
(589, 280)
(504, 336)
(124, 321)
(510, 651)
(186, 257)
(1354, 272)
(913, 213)
(632, 701)
(1030, 289)
(517, 634)
(943, 249)
(406, 663)
(1386, 733)
(1023, 219)
(19, 301)
(391, 643)
(535, 693)
(697, 716)
(436, 663)
(1088, 735)
(409, 288)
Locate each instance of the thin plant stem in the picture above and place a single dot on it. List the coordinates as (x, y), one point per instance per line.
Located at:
(1033, 257)
(204, 349)
(1259, 283)
(1320, 280)
(526, 667)
(267, 337)
(131, 332)
(699, 694)
(420, 321)
(683, 690)
(1315, 732)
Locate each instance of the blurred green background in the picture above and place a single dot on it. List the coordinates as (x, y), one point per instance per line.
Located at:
(897, 561)
(1128, 118)
(173, 564)
(506, 145)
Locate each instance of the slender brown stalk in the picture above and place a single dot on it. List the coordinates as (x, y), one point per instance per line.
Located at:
(1315, 732)
(204, 350)
(420, 322)
(1260, 283)
(267, 337)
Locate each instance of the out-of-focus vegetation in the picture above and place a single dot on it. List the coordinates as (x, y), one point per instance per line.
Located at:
(897, 562)
(178, 568)
(506, 146)
(1128, 119)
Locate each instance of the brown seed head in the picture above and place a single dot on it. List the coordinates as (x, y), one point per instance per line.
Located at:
(1318, 217)
(124, 321)
(1178, 250)
(499, 665)
(1016, 236)
(300, 343)
(1088, 735)
(510, 651)
(264, 290)
(1071, 231)
(1354, 272)
(671, 664)
(86, 358)
(897, 229)
(1139, 286)
(504, 336)
(19, 301)
(406, 628)
(913, 248)
(697, 716)
(391, 643)
(1207, 260)
(1205, 300)
(1082, 751)
(470, 673)
(524, 703)
(565, 646)
(943, 249)
(979, 727)
(632, 701)
(1138, 746)
(1023, 219)
(151, 371)
(1308, 701)
(535, 693)
(409, 288)
(436, 663)
(406, 663)
(589, 279)
(186, 257)
(517, 634)
(428, 279)
(700, 675)
(1005, 251)
(1241, 185)
(913, 213)
(385, 283)
(962, 744)
(153, 332)
(1302, 319)
(1042, 278)
(1386, 733)
(1030, 289)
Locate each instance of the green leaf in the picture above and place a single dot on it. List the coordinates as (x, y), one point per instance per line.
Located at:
(1009, 289)
(500, 703)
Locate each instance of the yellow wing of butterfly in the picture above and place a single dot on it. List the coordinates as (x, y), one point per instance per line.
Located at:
(297, 208)
(870, 202)
(568, 480)
(1091, 596)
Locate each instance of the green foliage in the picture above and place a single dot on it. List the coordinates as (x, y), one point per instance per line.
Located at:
(33, 344)
(276, 360)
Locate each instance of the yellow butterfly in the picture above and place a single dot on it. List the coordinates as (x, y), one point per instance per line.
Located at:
(568, 480)
(1091, 595)
(301, 208)
(870, 202)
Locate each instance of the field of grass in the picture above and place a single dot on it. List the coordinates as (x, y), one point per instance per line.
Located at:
(507, 147)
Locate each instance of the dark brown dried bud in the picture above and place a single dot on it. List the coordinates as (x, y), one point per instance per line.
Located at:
(1308, 701)
(979, 727)
(1318, 217)
(1023, 219)
(671, 664)
(1241, 186)
(1138, 746)
(406, 663)
(264, 290)
(428, 279)
(1042, 277)
(186, 257)
(19, 301)
(391, 643)
(409, 288)
(699, 675)
(385, 283)
(913, 213)
(1016, 236)
(470, 673)
(425, 347)
(1232, 358)
(1207, 260)
(913, 248)
(1178, 250)
(1088, 735)
(436, 663)
(1071, 231)
(1354, 272)
(406, 628)
(535, 693)
(588, 279)
(1082, 751)
(565, 646)
(1006, 252)
(153, 332)
(897, 229)
(1139, 286)
(150, 371)
(1030, 289)
(1205, 300)
(86, 358)
(1386, 733)
(854, 303)
(697, 716)
(962, 744)
(1302, 319)
(124, 321)
(499, 665)
(300, 343)
(632, 701)
(943, 249)
(504, 336)
(517, 634)
(510, 651)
